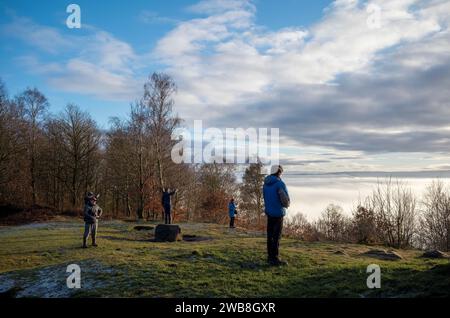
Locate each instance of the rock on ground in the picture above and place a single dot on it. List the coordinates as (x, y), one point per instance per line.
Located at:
(167, 233)
(382, 254)
(434, 254)
(143, 228)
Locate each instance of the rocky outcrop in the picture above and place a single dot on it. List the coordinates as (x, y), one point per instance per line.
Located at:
(434, 254)
(382, 254)
(167, 233)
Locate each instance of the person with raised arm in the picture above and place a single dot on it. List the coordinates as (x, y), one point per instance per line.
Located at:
(167, 204)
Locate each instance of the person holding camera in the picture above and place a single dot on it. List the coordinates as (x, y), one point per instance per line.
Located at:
(92, 212)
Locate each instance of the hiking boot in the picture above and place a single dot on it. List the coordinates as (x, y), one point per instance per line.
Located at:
(94, 244)
(277, 262)
(282, 263)
(84, 246)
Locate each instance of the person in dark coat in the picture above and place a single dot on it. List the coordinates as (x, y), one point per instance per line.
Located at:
(92, 212)
(167, 204)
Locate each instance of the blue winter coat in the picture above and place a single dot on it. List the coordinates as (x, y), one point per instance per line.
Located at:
(232, 209)
(272, 202)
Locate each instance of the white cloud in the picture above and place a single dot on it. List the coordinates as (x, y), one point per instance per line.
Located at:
(94, 63)
(152, 17)
(226, 54)
(233, 71)
(95, 80)
(45, 38)
(33, 63)
(337, 85)
(219, 6)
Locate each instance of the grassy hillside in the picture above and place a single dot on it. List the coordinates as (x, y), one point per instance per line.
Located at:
(227, 263)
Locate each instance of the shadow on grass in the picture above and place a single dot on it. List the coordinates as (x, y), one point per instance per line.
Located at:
(351, 282)
(254, 279)
(127, 239)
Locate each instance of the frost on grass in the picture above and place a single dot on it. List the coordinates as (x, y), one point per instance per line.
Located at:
(50, 281)
(6, 231)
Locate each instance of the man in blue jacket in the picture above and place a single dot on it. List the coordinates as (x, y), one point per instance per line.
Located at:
(276, 201)
(232, 212)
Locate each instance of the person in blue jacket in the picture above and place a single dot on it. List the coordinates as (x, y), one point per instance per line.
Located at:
(276, 201)
(232, 212)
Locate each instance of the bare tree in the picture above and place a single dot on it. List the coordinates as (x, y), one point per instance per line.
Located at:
(299, 227)
(14, 151)
(119, 165)
(364, 225)
(34, 105)
(9, 140)
(158, 101)
(144, 144)
(55, 164)
(192, 193)
(141, 151)
(333, 224)
(395, 211)
(435, 218)
(217, 186)
(80, 140)
(252, 201)
(5, 137)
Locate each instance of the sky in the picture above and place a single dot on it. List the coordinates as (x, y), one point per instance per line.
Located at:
(352, 85)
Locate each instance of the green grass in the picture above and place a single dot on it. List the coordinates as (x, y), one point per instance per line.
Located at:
(33, 260)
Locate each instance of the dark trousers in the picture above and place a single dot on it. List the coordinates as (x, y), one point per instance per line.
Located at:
(274, 228)
(232, 221)
(167, 216)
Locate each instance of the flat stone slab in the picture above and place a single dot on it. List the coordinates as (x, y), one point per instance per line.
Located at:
(434, 254)
(143, 228)
(382, 254)
(195, 238)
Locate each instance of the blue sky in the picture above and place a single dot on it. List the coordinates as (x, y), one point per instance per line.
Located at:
(352, 85)
(141, 23)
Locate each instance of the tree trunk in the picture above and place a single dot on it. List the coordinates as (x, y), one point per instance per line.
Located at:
(128, 205)
(140, 209)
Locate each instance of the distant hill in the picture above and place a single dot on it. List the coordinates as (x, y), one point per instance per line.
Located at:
(377, 174)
